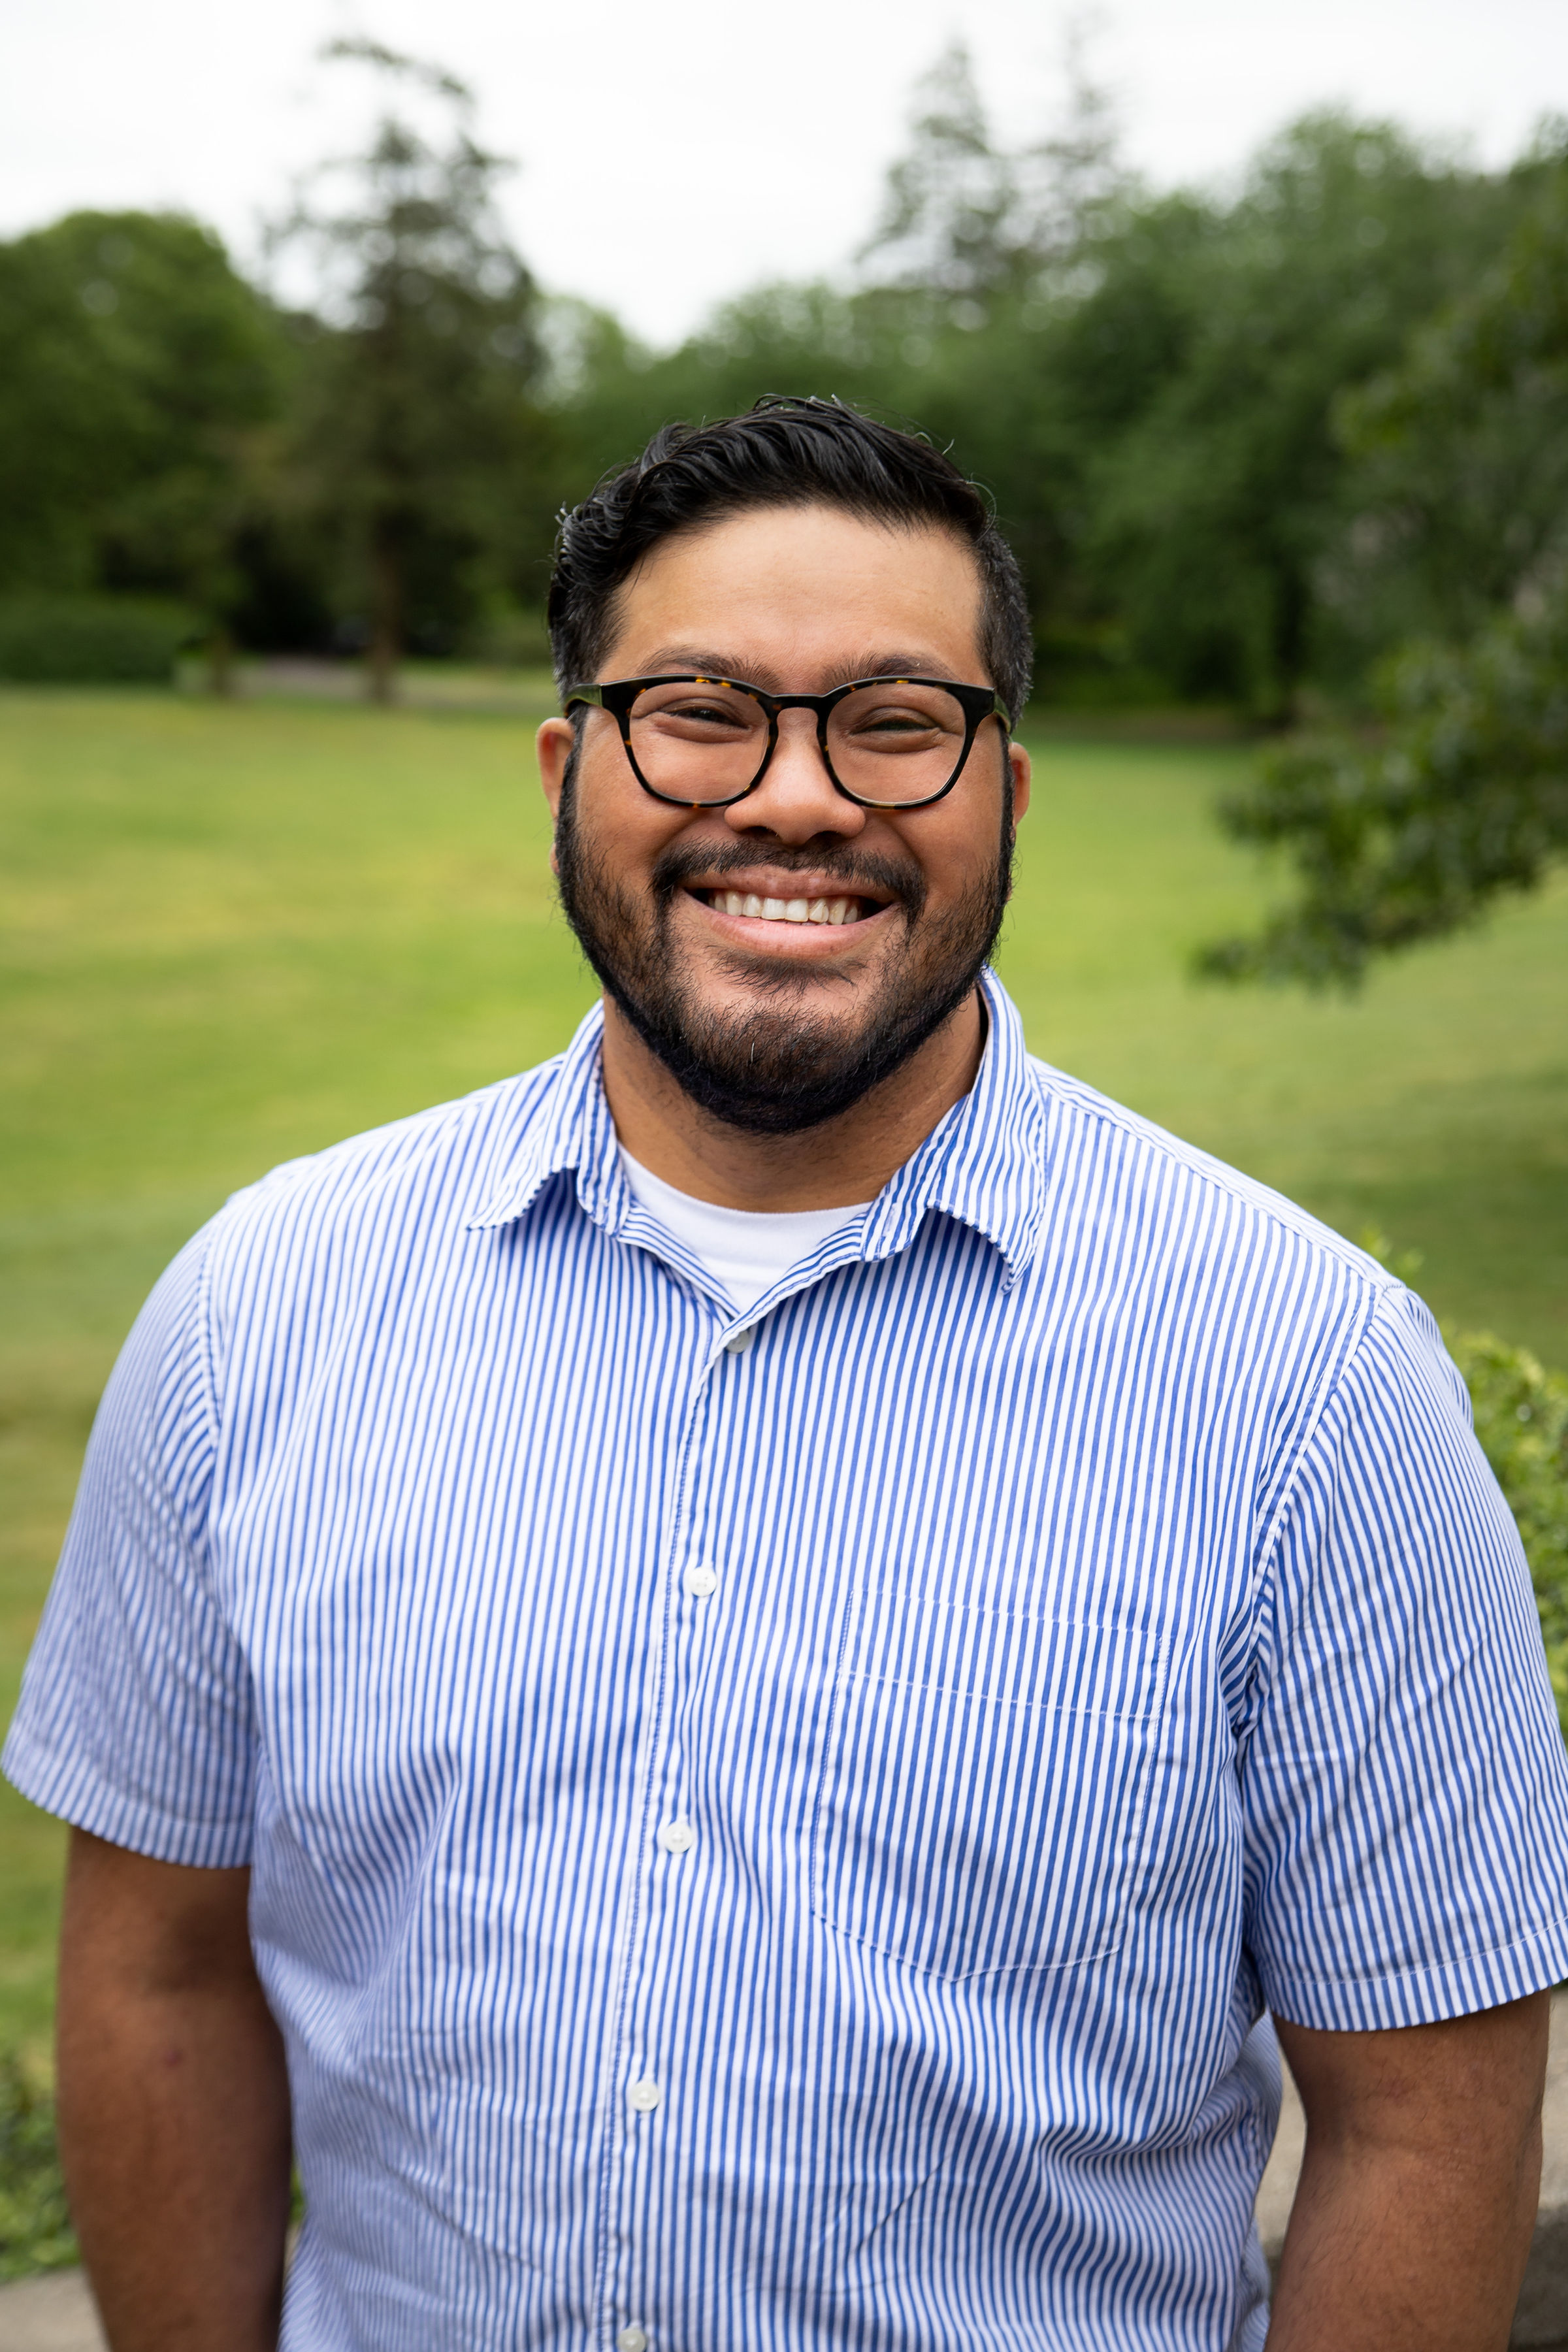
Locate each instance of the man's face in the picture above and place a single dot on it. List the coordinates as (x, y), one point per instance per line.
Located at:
(774, 1023)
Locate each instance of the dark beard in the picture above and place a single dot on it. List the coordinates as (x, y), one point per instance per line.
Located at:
(780, 1067)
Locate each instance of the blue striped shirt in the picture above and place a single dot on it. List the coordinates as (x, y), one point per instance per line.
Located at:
(785, 1833)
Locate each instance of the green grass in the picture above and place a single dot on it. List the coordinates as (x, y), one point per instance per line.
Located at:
(232, 934)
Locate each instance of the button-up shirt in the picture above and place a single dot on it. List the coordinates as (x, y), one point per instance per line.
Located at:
(784, 1832)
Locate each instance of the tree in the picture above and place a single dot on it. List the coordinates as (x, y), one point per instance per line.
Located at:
(1203, 370)
(1466, 798)
(416, 437)
(964, 221)
(141, 373)
(1460, 481)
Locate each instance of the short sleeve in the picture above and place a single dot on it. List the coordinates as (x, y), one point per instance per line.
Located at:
(135, 1719)
(1404, 1783)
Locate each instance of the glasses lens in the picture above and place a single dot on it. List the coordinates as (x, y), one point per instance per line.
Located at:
(893, 742)
(698, 740)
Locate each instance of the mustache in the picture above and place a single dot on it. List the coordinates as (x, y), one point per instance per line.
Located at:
(847, 868)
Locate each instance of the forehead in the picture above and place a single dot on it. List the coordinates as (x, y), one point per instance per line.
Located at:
(804, 590)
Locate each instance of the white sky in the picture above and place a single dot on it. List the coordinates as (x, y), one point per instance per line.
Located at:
(672, 156)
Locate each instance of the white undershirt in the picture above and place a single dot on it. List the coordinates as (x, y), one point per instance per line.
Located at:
(745, 1250)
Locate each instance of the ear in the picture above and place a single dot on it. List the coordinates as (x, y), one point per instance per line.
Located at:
(553, 743)
(1018, 760)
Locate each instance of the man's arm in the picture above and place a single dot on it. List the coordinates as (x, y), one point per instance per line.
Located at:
(1412, 2217)
(174, 2105)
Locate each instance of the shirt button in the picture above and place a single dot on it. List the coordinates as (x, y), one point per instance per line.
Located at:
(645, 2095)
(702, 1582)
(739, 1341)
(633, 2339)
(678, 1837)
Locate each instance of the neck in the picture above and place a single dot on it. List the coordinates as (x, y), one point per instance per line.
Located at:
(844, 1159)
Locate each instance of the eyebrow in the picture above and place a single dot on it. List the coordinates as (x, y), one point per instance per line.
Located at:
(900, 662)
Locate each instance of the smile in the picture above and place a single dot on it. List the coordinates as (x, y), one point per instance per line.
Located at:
(787, 910)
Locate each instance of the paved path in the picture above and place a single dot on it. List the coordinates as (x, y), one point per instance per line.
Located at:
(49, 2315)
(56, 2314)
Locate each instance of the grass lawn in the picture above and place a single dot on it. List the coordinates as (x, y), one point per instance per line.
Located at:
(233, 934)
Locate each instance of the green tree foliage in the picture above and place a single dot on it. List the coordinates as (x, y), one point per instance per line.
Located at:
(1201, 373)
(415, 445)
(1461, 490)
(1465, 795)
(140, 371)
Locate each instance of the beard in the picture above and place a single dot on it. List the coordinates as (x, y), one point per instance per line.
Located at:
(783, 1063)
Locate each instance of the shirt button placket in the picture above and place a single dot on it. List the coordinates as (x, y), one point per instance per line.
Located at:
(676, 1837)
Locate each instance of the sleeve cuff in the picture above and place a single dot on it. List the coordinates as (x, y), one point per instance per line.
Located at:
(1426, 1995)
(70, 1789)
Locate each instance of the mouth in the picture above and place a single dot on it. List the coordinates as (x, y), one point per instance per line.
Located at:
(825, 913)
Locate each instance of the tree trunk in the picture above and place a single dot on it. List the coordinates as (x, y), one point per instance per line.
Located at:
(1291, 614)
(385, 649)
(220, 662)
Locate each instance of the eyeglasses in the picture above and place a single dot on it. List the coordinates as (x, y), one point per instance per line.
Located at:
(705, 742)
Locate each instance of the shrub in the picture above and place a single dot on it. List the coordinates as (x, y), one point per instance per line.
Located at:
(92, 640)
(1522, 1420)
(34, 2227)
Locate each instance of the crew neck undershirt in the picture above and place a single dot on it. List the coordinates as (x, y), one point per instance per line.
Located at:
(745, 1250)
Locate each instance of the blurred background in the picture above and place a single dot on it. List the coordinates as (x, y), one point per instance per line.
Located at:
(1253, 321)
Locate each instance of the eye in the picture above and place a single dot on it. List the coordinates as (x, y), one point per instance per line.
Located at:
(705, 714)
(898, 722)
(697, 713)
(891, 721)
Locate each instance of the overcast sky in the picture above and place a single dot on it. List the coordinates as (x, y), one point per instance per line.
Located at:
(673, 156)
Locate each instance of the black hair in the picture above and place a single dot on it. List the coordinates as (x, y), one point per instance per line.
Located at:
(780, 453)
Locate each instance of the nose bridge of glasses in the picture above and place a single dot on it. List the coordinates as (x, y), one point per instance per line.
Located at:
(799, 728)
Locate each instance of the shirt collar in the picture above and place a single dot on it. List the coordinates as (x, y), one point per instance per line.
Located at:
(983, 1164)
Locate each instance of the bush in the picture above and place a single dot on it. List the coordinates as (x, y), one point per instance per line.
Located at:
(92, 640)
(1522, 1420)
(35, 2226)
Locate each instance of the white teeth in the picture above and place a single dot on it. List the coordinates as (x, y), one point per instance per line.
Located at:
(785, 911)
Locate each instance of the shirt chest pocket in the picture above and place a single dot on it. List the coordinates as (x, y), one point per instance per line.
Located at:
(982, 1793)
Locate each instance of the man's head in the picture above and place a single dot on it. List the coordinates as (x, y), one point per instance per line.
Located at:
(794, 549)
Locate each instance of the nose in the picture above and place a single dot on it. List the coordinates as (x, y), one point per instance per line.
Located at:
(796, 801)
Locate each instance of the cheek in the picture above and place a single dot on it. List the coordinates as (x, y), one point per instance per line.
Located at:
(957, 856)
(621, 825)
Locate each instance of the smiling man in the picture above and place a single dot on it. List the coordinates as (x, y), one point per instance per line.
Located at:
(739, 1680)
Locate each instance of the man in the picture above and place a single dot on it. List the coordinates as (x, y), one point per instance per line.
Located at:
(741, 1667)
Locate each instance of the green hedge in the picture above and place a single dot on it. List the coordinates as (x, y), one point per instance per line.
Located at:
(1522, 1420)
(34, 2227)
(92, 640)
